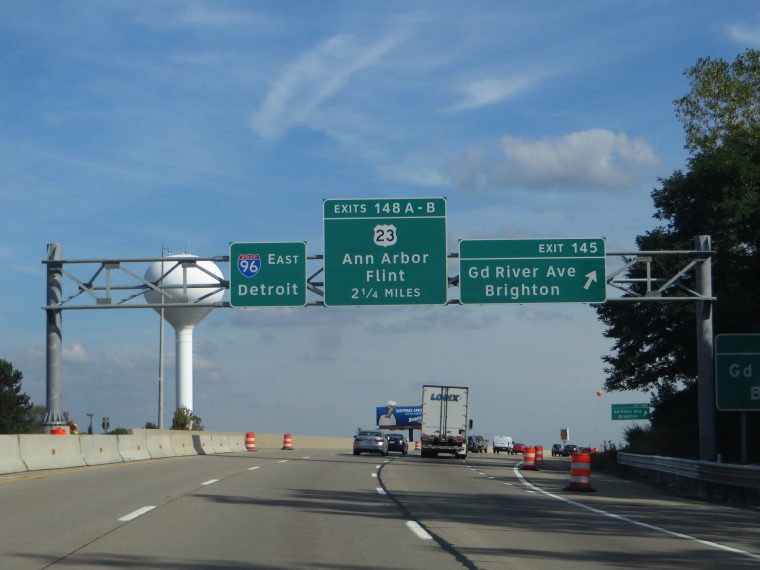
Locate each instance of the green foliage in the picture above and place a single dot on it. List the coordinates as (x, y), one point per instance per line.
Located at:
(184, 418)
(119, 431)
(15, 406)
(151, 425)
(724, 99)
(654, 344)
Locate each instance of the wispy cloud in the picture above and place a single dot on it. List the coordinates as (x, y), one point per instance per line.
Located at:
(594, 159)
(297, 95)
(745, 35)
(491, 90)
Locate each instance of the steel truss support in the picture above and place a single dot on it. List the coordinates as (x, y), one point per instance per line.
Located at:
(113, 285)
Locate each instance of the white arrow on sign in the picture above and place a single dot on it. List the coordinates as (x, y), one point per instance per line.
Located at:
(590, 278)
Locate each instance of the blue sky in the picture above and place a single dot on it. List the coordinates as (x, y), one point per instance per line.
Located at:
(128, 127)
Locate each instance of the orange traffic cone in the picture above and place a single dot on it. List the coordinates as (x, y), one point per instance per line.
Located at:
(580, 473)
(250, 441)
(287, 441)
(529, 459)
(417, 446)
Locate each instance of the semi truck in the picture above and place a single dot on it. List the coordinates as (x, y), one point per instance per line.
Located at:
(445, 420)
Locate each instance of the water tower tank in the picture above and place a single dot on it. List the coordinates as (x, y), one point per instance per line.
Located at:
(172, 276)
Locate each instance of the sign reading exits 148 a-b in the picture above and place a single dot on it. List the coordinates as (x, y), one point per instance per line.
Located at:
(532, 271)
(385, 251)
(268, 274)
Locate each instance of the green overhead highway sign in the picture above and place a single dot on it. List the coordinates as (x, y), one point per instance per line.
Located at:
(630, 411)
(268, 274)
(737, 372)
(385, 252)
(532, 271)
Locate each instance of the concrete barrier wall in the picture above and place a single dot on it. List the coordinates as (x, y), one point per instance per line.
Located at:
(182, 443)
(50, 451)
(99, 449)
(159, 444)
(132, 447)
(31, 452)
(10, 455)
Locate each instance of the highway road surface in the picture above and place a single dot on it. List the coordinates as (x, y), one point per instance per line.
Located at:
(331, 510)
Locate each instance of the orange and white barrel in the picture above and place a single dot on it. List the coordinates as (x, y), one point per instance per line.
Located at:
(529, 459)
(250, 441)
(539, 455)
(417, 446)
(580, 473)
(287, 441)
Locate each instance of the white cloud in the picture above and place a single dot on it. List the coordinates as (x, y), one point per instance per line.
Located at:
(489, 91)
(744, 35)
(296, 96)
(592, 159)
(76, 353)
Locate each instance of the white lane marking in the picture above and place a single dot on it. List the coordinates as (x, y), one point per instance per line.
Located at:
(307, 457)
(252, 468)
(491, 477)
(509, 484)
(635, 522)
(418, 530)
(374, 475)
(138, 513)
(378, 466)
(387, 461)
(381, 491)
(282, 461)
(209, 481)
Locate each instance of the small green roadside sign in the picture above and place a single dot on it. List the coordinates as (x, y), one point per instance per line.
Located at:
(532, 271)
(385, 251)
(268, 274)
(630, 411)
(737, 372)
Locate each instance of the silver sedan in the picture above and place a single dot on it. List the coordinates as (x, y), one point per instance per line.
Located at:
(371, 442)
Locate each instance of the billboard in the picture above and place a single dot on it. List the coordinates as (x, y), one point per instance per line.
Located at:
(392, 416)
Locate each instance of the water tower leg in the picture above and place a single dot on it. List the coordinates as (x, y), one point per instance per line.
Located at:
(184, 371)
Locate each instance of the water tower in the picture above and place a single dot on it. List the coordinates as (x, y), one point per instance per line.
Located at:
(180, 283)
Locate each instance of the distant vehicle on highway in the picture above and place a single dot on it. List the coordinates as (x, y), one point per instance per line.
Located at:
(445, 420)
(569, 449)
(502, 443)
(476, 444)
(519, 448)
(556, 450)
(397, 442)
(371, 441)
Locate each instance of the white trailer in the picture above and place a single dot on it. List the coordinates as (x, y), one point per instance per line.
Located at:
(445, 420)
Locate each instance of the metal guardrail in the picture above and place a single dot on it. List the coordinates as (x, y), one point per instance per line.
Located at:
(706, 471)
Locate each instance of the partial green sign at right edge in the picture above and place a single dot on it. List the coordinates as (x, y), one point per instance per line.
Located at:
(737, 372)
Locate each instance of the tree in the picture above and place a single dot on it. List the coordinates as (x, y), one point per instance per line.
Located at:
(15, 406)
(724, 99)
(185, 418)
(654, 345)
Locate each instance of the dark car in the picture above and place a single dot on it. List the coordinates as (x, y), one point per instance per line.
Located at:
(397, 442)
(476, 444)
(556, 450)
(569, 449)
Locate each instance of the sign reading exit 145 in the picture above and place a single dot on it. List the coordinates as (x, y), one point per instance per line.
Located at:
(532, 271)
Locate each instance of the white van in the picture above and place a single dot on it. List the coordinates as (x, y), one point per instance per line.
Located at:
(502, 443)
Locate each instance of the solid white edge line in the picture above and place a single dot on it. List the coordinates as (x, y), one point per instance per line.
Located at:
(635, 522)
(418, 530)
(381, 491)
(209, 481)
(138, 513)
